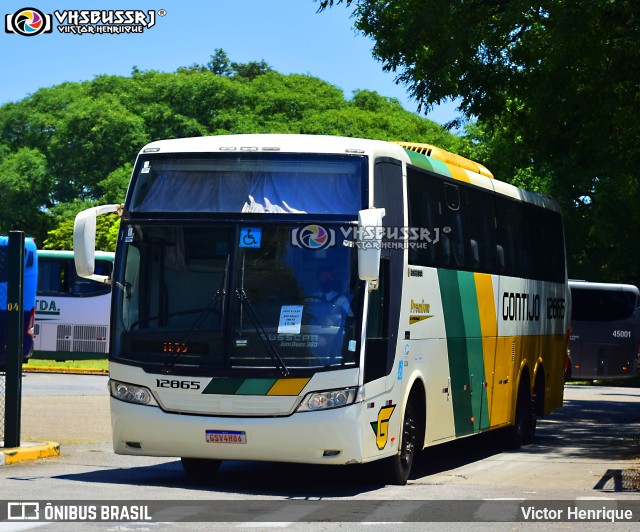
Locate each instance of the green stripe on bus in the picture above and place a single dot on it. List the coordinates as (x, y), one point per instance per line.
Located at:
(255, 387)
(428, 163)
(468, 294)
(464, 344)
(440, 167)
(223, 386)
(419, 160)
(231, 386)
(457, 350)
(473, 329)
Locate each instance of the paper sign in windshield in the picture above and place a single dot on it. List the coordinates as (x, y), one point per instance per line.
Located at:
(290, 319)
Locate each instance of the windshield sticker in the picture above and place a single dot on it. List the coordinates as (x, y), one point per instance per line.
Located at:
(290, 319)
(250, 237)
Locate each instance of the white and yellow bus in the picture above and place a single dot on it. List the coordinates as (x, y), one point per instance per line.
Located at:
(327, 300)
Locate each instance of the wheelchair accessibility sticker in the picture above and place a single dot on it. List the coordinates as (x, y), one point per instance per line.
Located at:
(250, 237)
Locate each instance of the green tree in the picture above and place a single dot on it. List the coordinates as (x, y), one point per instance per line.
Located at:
(74, 144)
(554, 85)
(106, 234)
(25, 189)
(219, 63)
(96, 136)
(115, 185)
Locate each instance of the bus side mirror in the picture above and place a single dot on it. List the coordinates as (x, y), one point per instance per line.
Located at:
(369, 243)
(84, 241)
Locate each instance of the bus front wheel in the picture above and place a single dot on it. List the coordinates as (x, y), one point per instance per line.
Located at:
(397, 468)
(200, 468)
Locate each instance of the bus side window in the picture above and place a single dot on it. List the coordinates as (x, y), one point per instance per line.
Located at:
(52, 278)
(479, 223)
(511, 238)
(453, 219)
(62, 280)
(424, 213)
(377, 341)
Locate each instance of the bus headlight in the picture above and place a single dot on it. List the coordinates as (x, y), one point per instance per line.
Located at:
(131, 393)
(328, 399)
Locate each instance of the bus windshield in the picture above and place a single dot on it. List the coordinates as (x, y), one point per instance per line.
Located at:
(207, 298)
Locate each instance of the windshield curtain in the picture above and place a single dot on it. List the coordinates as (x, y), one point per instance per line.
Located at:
(249, 183)
(212, 298)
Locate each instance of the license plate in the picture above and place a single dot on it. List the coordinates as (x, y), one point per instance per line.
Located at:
(225, 436)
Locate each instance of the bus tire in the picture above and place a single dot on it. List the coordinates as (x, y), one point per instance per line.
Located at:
(522, 431)
(200, 468)
(537, 407)
(397, 468)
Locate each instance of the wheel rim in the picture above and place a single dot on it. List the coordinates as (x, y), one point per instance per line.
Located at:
(408, 440)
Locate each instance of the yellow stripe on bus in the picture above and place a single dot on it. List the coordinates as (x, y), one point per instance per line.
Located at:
(288, 386)
(458, 173)
(489, 331)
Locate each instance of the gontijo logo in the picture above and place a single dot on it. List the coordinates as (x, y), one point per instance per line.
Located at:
(28, 21)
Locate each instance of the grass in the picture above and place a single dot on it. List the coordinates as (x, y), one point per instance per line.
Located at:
(630, 382)
(100, 365)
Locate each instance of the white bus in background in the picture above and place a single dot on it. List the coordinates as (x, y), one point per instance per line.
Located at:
(72, 313)
(605, 337)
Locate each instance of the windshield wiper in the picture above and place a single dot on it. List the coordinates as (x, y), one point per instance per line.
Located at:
(218, 296)
(159, 317)
(173, 357)
(268, 344)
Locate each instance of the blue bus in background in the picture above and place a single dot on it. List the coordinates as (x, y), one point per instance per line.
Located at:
(29, 295)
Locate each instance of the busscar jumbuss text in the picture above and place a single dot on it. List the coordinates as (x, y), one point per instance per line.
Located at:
(269, 302)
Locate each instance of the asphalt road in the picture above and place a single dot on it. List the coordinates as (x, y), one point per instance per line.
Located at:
(589, 449)
(68, 409)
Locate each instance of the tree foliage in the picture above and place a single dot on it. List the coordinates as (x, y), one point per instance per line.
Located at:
(555, 87)
(72, 146)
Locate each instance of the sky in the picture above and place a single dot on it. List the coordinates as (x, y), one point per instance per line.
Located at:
(289, 35)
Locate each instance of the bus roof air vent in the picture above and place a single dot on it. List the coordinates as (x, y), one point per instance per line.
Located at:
(446, 157)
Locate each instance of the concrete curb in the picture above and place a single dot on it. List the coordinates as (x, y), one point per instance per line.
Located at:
(79, 371)
(29, 451)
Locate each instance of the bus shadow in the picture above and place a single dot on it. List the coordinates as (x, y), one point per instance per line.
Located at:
(451, 455)
(295, 481)
(590, 429)
(581, 429)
